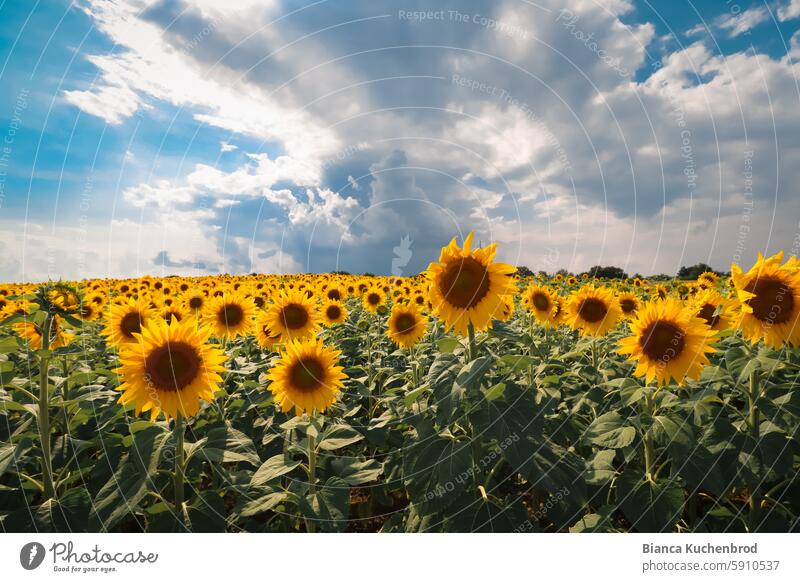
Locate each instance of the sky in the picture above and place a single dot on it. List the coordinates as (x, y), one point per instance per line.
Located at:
(280, 136)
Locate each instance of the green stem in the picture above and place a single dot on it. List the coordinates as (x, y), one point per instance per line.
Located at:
(44, 410)
(180, 468)
(311, 527)
(647, 438)
(594, 353)
(754, 422)
(472, 347)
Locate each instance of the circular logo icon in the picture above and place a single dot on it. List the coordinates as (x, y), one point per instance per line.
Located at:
(31, 555)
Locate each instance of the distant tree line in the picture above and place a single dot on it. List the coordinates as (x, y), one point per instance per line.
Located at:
(611, 272)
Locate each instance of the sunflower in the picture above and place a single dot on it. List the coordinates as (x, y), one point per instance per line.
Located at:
(467, 287)
(668, 342)
(373, 298)
(33, 334)
(709, 277)
(126, 319)
(540, 301)
(265, 337)
(506, 309)
(592, 310)
(335, 293)
(307, 377)
(170, 311)
(333, 312)
(194, 301)
(769, 294)
(714, 309)
(171, 369)
(629, 304)
(229, 315)
(406, 325)
(293, 315)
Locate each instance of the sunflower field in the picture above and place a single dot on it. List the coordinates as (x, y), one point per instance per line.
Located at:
(465, 399)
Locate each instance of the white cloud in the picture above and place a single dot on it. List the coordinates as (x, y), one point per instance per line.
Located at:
(743, 22)
(224, 147)
(145, 65)
(789, 11)
(568, 154)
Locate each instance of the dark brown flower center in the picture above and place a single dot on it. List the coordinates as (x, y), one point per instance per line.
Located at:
(333, 312)
(172, 367)
(773, 302)
(294, 316)
(663, 341)
(373, 298)
(86, 310)
(707, 313)
(169, 314)
(628, 305)
(231, 315)
(405, 323)
(131, 323)
(592, 310)
(307, 375)
(541, 302)
(196, 302)
(334, 294)
(465, 283)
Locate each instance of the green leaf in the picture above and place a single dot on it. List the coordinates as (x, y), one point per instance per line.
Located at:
(434, 468)
(447, 345)
(272, 469)
(470, 376)
(263, 503)
(611, 430)
(600, 470)
(329, 506)
(651, 507)
(355, 471)
(225, 444)
(516, 363)
(338, 436)
(131, 481)
(495, 392)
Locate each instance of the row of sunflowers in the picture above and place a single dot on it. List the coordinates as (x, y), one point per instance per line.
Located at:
(397, 391)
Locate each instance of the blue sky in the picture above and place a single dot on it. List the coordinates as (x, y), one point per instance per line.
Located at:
(203, 137)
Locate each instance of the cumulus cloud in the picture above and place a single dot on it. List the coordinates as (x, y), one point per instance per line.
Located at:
(555, 137)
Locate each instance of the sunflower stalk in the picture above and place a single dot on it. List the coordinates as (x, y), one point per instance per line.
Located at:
(754, 422)
(647, 437)
(44, 410)
(311, 527)
(472, 348)
(180, 463)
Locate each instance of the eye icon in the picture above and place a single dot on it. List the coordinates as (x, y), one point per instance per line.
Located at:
(31, 555)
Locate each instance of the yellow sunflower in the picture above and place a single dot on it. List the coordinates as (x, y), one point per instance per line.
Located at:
(769, 294)
(33, 334)
(717, 311)
(467, 287)
(668, 342)
(229, 315)
(265, 337)
(592, 310)
(333, 312)
(194, 301)
(540, 301)
(373, 298)
(126, 319)
(629, 304)
(406, 325)
(171, 369)
(293, 315)
(307, 377)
